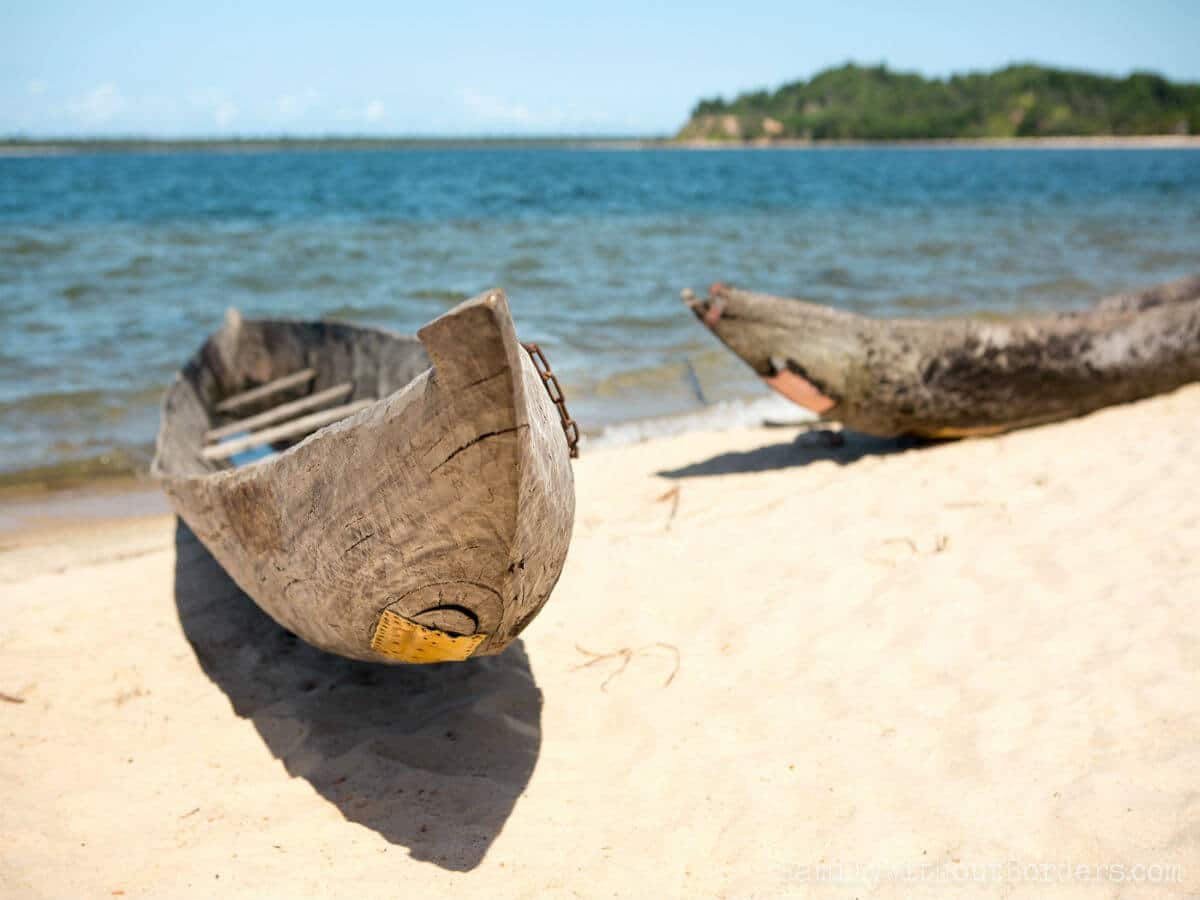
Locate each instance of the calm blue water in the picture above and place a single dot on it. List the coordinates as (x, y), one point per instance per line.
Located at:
(113, 268)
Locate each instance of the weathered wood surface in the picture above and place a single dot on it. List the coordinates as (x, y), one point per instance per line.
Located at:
(295, 428)
(959, 377)
(449, 502)
(281, 413)
(279, 385)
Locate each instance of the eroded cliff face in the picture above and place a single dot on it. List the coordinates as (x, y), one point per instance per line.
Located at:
(730, 127)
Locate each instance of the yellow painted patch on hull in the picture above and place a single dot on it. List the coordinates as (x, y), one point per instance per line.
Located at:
(407, 641)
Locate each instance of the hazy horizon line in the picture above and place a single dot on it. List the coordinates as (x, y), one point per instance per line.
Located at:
(326, 136)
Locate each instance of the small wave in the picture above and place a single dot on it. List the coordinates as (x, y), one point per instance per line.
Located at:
(1058, 293)
(78, 291)
(645, 379)
(73, 402)
(441, 296)
(534, 283)
(533, 244)
(1160, 262)
(936, 249)
(23, 247)
(654, 319)
(724, 416)
(36, 326)
(119, 462)
(523, 264)
(192, 237)
(357, 313)
(665, 229)
(255, 282)
(138, 266)
(938, 304)
(837, 276)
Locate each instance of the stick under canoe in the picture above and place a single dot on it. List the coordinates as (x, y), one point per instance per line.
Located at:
(961, 377)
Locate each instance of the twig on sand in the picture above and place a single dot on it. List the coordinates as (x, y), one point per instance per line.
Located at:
(940, 543)
(673, 496)
(625, 654)
(968, 504)
(11, 698)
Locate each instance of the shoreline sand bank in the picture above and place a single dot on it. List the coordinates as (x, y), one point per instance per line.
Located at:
(34, 148)
(765, 655)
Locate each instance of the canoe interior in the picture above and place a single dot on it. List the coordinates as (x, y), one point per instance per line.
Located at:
(245, 354)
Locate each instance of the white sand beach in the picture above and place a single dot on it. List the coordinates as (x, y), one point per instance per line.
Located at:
(771, 668)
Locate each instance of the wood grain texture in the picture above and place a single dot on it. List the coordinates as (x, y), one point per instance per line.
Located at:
(450, 501)
(270, 389)
(957, 377)
(285, 430)
(281, 413)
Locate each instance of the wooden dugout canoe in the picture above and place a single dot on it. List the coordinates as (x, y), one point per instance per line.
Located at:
(429, 524)
(960, 377)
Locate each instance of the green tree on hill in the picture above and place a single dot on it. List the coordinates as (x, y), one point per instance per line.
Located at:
(853, 102)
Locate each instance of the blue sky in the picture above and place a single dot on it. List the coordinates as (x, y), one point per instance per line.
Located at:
(136, 67)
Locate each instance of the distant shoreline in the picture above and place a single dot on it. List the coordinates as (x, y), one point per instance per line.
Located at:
(33, 148)
(1082, 142)
(64, 147)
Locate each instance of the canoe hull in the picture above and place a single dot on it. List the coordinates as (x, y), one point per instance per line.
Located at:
(961, 377)
(447, 505)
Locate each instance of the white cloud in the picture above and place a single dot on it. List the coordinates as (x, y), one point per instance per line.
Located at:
(36, 88)
(289, 105)
(217, 104)
(374, 111)
(99, 105)
(492, 110)
(293, 106)
(224, 113)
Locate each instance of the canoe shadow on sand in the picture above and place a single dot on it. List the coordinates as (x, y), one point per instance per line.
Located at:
(842, 447)
(430, 757)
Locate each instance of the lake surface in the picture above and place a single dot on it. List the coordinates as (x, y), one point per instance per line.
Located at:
(114, 267)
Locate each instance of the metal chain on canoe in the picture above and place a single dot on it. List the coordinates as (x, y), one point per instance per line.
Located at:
(554, 389)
